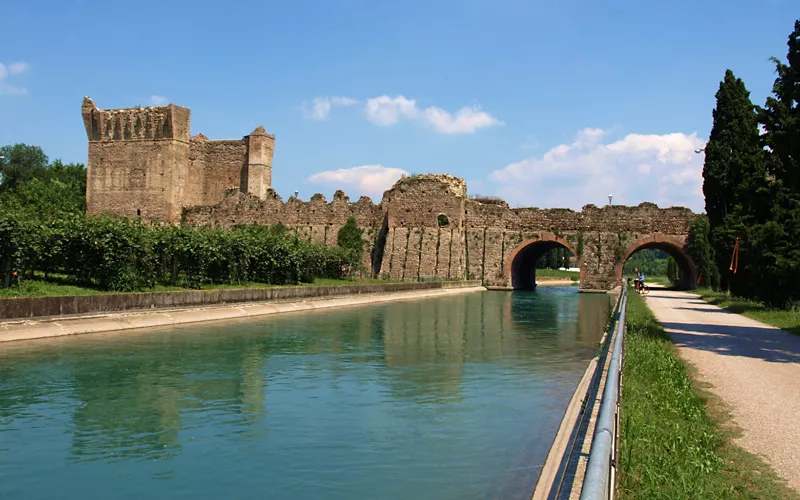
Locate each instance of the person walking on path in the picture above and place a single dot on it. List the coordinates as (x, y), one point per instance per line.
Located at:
(753, 367)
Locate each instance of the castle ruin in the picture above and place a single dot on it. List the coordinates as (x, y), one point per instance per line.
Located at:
(143, 162)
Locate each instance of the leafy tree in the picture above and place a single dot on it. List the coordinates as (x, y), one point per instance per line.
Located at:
(44, 198)
(734, 174)
(21, 163)
(349, 238)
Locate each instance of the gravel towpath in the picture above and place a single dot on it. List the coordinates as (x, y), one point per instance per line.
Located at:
(753, 367)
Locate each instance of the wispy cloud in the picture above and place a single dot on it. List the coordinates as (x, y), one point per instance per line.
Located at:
(371, 180)
(320, 107)
(638, 167)
(157, 100)
(14, 68)
(385, 111)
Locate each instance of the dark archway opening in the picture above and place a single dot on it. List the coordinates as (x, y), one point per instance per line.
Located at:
(541, 255)
(654, 259)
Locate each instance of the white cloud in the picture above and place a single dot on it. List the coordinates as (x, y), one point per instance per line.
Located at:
(466, 120)
(371, 180)
(663, 169)
(320, 107)
(158, 100)
(384, 111)
(14, 68)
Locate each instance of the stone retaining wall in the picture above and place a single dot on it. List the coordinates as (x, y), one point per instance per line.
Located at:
(38, 307)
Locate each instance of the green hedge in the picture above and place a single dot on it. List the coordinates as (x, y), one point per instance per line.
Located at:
(123, 254)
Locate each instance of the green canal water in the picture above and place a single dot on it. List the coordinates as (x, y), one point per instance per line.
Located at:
(448, 398)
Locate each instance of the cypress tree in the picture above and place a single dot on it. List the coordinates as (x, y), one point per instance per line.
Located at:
(733, 173)
(702, 253)
(781, 117)
(777, 239)
(672, 270)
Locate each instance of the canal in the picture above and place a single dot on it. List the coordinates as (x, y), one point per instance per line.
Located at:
(449, 398)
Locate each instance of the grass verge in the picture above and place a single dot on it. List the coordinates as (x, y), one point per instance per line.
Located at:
(557, 274)
(42, 288)
(676, 438)
(788, 320)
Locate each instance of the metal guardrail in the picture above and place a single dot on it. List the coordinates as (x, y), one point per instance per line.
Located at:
(598, 483)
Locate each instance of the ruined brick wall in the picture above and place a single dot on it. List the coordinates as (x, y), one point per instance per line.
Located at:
(315, 220)
(216, 167)
(419, 244)
(426, 228)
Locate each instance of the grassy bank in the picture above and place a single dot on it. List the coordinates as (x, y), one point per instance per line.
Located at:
(676, 443)
(556, 274)
(785, 319)
(55, 288)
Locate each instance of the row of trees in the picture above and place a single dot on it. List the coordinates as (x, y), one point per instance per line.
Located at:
(751, 183)
(651, 261)
(555, 259)
(43, 230)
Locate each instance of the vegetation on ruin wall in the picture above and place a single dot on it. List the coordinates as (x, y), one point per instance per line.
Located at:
(673, 442)
(43, 229)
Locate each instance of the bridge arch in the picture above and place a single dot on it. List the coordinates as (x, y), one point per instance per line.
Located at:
(674, 247)
(520, 268)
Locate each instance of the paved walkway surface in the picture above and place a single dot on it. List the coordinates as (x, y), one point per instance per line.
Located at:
(753, 367)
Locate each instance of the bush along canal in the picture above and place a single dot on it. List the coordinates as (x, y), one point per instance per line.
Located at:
(454, 397)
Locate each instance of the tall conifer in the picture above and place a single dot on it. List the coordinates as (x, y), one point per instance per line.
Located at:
(733, 172)
(779, 238)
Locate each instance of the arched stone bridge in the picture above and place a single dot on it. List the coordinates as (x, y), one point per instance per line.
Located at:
(499, 245)
(427, 228)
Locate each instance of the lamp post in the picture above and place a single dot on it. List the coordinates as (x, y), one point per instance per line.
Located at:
(701, 150)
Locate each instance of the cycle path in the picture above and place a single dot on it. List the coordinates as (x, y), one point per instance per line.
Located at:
(753, 367)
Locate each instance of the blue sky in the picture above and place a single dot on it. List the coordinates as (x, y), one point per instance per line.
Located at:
(544, 103)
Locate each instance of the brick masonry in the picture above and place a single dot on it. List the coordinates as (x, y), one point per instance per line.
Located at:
(143, 161)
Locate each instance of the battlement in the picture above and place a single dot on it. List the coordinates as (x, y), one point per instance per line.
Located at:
(154, 123)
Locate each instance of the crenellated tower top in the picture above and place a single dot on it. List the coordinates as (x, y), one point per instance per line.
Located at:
(153, 123)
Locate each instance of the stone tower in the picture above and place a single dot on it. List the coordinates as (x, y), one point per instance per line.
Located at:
(138, 160)
(257, 178)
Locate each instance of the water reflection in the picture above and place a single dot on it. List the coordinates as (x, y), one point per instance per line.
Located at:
(378, 390)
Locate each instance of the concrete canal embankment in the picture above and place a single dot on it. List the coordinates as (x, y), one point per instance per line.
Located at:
(565, 467)
(40, 317)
